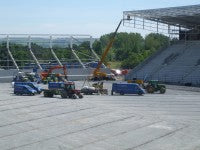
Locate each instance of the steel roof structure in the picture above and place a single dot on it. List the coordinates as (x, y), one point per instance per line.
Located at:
(184, 16)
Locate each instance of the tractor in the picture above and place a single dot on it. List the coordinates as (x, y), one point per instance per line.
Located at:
(65, 89)
(154, 86)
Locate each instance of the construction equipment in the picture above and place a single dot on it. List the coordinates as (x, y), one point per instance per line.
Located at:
(137, 81)
(96, 88)
(26, 77)
(88, 90)
(97, 74)
(47, 75)
(127, 88)
(24, 90)
(65, 89)
(154, 86)
(99, 87)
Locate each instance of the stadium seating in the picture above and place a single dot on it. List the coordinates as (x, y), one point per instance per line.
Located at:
(178, 63)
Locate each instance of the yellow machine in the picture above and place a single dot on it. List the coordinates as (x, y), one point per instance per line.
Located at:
(140, 82)
(97, 74)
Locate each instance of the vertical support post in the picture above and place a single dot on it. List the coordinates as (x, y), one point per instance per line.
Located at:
(169, 39)
(143, 23)
(53, 53)
(134, 22)
(185, 36)
(10, 54)
(74, 53)
(32, 54)
(157, 27)
(168, 29)
(179, 31)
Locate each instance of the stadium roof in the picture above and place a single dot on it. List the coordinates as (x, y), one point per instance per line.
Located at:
(186, 16)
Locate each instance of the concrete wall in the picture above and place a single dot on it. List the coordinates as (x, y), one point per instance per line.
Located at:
(73, 74)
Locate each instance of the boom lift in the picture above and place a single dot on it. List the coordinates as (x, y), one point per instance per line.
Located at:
(97, 74)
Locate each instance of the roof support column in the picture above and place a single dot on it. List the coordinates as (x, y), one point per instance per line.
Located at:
(10, 54)
(32, 54)
(53, 53)
(74, 53)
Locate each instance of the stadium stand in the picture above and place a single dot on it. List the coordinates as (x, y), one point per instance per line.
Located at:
(179, 63)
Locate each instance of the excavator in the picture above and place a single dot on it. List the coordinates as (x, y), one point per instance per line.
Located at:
(48, 76)
(97, 74)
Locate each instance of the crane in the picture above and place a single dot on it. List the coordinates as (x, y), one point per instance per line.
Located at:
(97, 74)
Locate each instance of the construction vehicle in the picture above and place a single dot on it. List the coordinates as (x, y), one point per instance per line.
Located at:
(97, 74)
(96, 88)
(65, 89)
(127, 88)
(23, 90)
(154, 86)
(99, 87)
(88, 90)
(47, 75)
(26, 77)
(33, 85)
(137, 81)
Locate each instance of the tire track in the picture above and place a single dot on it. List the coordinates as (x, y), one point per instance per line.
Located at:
(72, 132)
(91, 116)
(157, 138)
(118, 134)
(30, 106)
(48, 116)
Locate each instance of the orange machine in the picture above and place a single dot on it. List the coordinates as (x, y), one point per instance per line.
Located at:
(46, 73)
(97, 74)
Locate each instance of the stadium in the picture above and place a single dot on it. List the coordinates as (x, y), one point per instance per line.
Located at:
(112, 114)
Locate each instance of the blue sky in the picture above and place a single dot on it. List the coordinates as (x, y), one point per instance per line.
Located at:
(95, 17)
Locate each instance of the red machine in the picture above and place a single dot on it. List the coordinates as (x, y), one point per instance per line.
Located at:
(46, 73)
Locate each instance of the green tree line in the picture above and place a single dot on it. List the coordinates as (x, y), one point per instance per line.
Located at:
(129, 49)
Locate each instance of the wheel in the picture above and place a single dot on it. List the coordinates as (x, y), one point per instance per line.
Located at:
(50, 94)
(45, 94)
(121, 93)
(111, 92)
(80, 96)
(150, 89)
(63, 94)
(74, 96)
(162, 90)
(140, 93)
